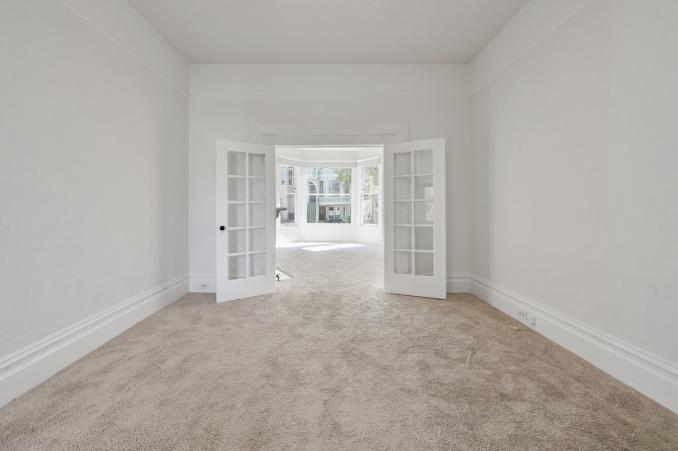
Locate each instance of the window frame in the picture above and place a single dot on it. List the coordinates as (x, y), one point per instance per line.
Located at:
(285, 183)
(374, 195)
(322, 189)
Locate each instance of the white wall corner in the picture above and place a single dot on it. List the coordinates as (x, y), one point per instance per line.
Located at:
(127, 29)
(459, 282)
(202, 283)
(34, 364)
(649, 374)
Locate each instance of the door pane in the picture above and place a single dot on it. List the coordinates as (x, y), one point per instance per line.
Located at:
(257, 215)
(423, 162)
(236, 267)
(257, 264)
(423, 238)
(236, 215)
(236, 241)
(402, 163)
(257, 239)
(423, 264)
(423, 212)
(257, 164)
(402, 212)
(402, 188)
(236, 163)
(403, 238)
(423, 187)
(236, 189)
(403, 263)
(257, 190)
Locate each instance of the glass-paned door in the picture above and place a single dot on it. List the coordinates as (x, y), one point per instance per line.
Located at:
(246, 220)
(414, 226)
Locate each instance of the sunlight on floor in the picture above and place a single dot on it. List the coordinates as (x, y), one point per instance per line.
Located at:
(332, 247)
(317, 247)
(298, 244)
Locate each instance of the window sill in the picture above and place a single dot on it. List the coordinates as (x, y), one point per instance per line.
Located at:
(328, 224)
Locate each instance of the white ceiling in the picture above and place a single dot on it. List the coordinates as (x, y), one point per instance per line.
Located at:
(328, 31)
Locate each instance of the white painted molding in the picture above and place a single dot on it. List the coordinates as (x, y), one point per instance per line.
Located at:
(459, 282)
(276, 82)
(234, 98)
(34, 364)
(517, 39)
(330, 134)
(651, 375)
(125, 47)
(202, 283)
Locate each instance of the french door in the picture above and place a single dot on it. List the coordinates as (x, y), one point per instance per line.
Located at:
(245, 220)
(414, 218)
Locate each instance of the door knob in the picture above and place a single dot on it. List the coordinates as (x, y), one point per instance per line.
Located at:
(222, 228)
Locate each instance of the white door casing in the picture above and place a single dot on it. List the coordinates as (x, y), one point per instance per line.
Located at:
(414, 218)
(245, 220)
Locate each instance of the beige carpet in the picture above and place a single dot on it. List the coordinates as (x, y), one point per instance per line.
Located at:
(329, 362)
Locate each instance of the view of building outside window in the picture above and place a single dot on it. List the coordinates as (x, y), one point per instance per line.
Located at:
(329, 195)
(370, 192)
(287, 192)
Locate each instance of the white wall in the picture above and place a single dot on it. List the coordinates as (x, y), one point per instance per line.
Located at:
(227, 99)
(93, 180)
(575, 175)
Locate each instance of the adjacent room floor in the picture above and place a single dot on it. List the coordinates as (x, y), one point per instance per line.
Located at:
(330, 362)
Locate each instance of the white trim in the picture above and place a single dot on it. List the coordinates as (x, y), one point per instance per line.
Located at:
(459, 282)
(316, 163)
(363, 162)
(651, 375)
(486, 81)
(34, 364)
(183, 92)
(235, 97)
(330, 134)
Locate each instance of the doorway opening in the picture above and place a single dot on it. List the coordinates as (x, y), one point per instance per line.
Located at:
(330, 199)
(330, 203)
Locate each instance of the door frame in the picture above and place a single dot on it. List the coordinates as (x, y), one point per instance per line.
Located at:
(367, 134)
(324, 134)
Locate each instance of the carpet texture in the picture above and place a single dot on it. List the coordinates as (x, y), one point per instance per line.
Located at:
(330, 362)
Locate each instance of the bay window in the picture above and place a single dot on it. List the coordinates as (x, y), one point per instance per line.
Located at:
(370, 195)
(287, 193)
(328, 192)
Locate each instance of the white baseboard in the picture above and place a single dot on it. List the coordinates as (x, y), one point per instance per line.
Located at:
(459, 282)
(34, 364)
(202, 283)
(206, 283)
(654, 377)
